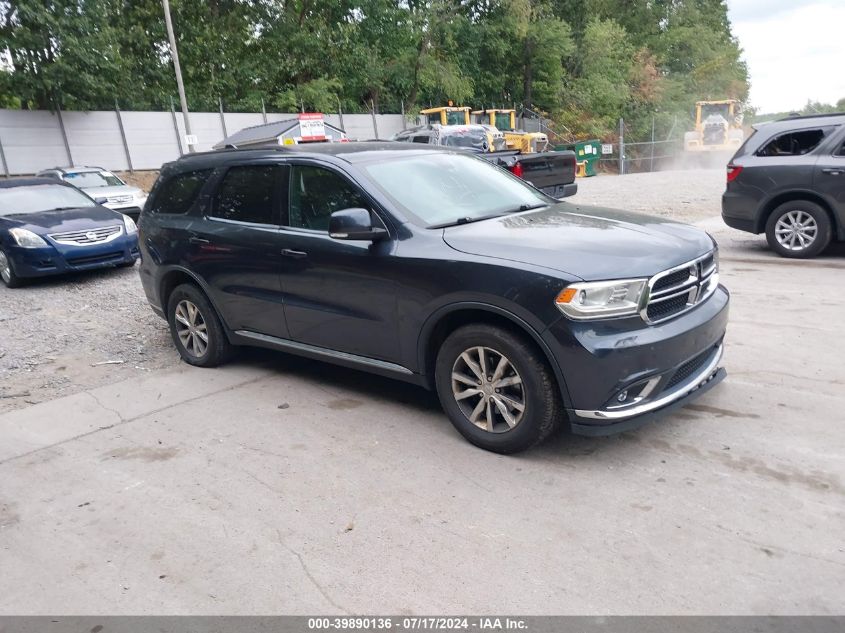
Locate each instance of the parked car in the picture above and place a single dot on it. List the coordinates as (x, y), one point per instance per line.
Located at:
(435, 267)
(103, 186)
(788, 180)
(50, 228)
(551, 172)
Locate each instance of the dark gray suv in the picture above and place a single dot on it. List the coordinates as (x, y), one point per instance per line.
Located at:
(788, 180)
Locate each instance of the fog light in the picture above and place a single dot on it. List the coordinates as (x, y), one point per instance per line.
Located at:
(622, 397)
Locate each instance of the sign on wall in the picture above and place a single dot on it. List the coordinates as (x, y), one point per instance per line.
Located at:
(311, 127)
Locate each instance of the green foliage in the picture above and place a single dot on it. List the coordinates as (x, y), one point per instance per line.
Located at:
(585, 64)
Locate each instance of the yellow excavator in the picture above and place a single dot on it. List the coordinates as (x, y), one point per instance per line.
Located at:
(718, 127)
(505, 121)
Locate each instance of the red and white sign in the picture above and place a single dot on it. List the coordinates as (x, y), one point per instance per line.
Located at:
(311, 127)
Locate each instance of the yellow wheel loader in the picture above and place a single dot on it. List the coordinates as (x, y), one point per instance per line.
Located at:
(505, 121)
(718, 127)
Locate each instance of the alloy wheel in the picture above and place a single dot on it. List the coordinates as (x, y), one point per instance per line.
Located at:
(796, 230)
(191, 328)
(488, 389)
(5, 268)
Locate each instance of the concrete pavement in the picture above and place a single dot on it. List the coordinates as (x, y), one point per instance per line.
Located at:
(279, 485)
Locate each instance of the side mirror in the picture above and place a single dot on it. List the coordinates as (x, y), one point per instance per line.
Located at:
(101, 200)
(354, 224)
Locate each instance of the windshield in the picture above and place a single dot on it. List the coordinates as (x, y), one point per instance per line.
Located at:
(35, 198)
(87, 179)
(439, 188)
(458, 117)
(722, 109)
(503, 121)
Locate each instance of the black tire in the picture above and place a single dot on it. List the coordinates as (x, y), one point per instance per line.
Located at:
(217, 349)
(542, 412)
(10, 279)
(799, 209)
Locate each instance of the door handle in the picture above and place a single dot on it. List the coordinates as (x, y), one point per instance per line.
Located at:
(289, 252)
(198, 240)
(833, 171)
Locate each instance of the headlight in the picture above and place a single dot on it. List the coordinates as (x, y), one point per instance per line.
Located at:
(140, 198)
(27, 239)
(601, 299)
(131, 227)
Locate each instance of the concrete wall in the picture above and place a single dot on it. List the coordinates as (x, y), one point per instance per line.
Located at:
(33, 140)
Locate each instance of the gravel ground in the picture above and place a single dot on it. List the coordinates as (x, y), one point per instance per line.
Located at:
(63, 335)
(686, 196)
(59, 335)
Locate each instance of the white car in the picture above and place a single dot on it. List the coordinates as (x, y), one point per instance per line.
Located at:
(102, 185)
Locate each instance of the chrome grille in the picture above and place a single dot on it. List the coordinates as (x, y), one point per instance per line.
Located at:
(89, 236)
(674, 291)
(119, 199)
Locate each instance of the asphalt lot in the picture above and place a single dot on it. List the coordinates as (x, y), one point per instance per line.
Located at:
(279, 485)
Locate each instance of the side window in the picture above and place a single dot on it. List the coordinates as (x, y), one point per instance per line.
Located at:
(841, 151)
(177, 194)
(316, 193)
(420, 138)
(794, 143)
(247, 194)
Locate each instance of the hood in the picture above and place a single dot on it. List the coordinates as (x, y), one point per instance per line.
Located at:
(592, 243)
(111, 192)
(45, 222)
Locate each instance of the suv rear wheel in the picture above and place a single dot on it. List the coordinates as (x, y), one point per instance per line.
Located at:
(196, 329)
(799, 228)
(497, 389)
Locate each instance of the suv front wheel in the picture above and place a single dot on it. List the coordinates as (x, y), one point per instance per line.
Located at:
(497, 389)
(799, 228)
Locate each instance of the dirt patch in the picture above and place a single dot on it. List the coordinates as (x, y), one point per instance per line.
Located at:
(141, 179)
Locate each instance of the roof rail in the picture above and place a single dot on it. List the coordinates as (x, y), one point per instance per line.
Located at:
(793, 117)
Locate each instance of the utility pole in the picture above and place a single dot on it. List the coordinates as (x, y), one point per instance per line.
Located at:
(175, 54)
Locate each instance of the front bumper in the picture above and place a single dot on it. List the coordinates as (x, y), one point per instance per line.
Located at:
(133, 209)
(638, 415)
(621, 373)
(58, 259)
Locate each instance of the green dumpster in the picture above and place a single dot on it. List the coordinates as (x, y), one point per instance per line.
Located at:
(586, 152)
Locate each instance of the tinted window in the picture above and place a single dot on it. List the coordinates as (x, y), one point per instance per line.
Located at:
(246, 194)
(794, 143)
(841, 151)
(316, 193)
(177, 194)
(420, 139)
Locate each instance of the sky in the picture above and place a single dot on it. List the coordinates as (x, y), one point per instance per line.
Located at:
(795, 50)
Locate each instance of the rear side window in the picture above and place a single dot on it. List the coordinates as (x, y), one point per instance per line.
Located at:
(248, 194)
(795, 143)
(420, 139)
(177, 194)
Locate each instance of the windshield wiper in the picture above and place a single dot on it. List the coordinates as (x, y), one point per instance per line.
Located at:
(469, 219)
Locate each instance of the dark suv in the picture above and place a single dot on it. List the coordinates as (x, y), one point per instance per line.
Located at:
(788, 180)
(435, 267)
